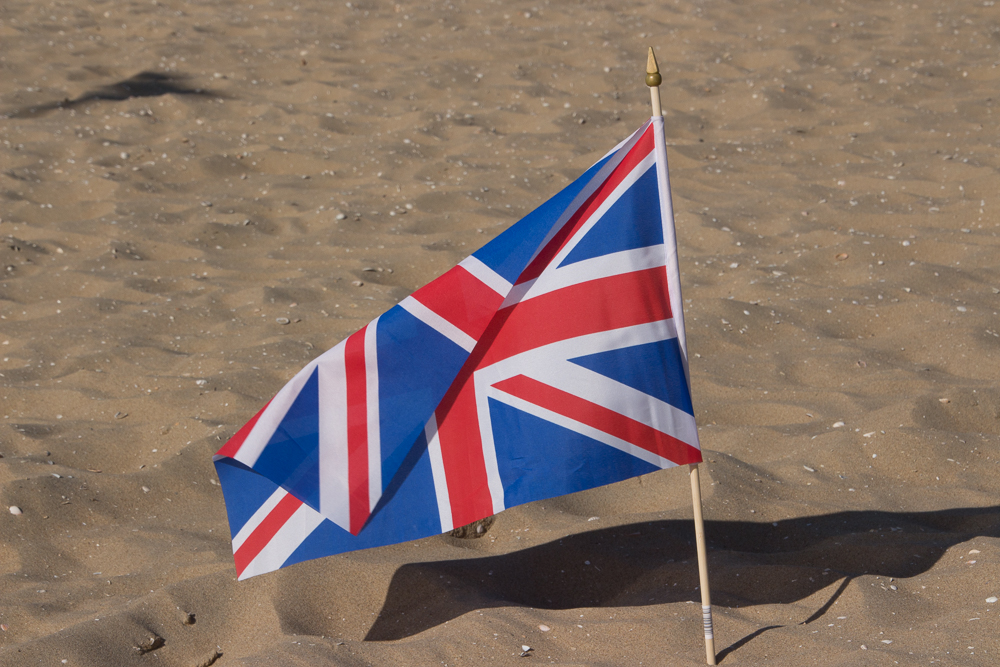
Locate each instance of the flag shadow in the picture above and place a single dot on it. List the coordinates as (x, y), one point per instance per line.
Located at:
(143, 84)
(654, 563)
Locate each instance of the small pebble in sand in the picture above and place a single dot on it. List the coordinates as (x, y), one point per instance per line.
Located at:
(282, 320)
(544, 628)
(341, 216)
(838, 424)
(991, 599)
(945, 400)
(145, 489)
(216, 654)
(15, 510)
(149, 644)
(809, 469)
(842, 256)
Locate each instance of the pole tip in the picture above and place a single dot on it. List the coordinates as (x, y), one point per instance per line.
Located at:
(653, 77)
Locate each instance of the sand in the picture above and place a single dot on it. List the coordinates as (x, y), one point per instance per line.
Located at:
(197, 198)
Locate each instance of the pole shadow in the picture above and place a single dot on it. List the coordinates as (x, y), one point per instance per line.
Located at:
(654, 563)
(143, 84)
(818, 614)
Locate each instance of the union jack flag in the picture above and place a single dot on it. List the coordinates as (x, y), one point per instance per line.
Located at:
(550, 361)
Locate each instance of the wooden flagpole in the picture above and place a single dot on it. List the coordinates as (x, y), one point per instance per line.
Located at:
(699, 536)
(653, 80)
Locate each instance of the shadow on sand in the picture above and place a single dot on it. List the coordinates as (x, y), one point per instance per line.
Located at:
(654, 563)
(143, 84)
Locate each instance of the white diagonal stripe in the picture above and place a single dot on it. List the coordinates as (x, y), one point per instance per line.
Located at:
(598, 179)
(550, 365)
(269, 420)
(257, 518)
(617, 397)
(292, 533)
(555, 276)
(583, 429)
(604, 266)
(438, 323)
(486, 275)
(626, 184)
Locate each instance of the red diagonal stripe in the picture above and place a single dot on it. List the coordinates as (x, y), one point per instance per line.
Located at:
(639, 151)
(462, 299)
(357, 429)
(233, 445)
(265, 531)
(599, 417)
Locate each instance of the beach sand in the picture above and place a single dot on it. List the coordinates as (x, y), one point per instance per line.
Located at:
(198, 198)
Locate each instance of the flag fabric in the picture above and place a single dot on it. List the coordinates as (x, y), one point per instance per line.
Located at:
(550, 361)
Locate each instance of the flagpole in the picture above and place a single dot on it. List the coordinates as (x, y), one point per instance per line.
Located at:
(653, 80)
(699, 536)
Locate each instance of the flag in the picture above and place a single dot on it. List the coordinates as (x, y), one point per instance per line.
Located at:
(550, 361)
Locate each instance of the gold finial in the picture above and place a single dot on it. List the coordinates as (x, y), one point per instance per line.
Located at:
(653, 77)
